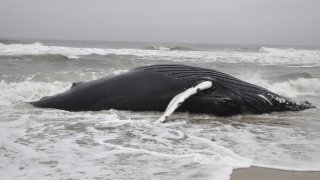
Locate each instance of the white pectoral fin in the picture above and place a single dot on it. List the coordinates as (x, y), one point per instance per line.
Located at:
(180, 98)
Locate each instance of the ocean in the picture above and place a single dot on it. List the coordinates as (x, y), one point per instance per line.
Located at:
(55, 144)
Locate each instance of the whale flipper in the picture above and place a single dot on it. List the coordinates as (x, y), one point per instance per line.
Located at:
(181, 97)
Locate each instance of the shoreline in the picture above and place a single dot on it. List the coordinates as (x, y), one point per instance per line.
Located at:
(260, 173)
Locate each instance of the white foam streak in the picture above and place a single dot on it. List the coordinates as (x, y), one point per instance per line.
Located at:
(13, 92)
(264, 56)
(273, 146)
(122, 149)
(230, 158)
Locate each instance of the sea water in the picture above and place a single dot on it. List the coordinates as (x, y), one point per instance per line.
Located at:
(55, 144)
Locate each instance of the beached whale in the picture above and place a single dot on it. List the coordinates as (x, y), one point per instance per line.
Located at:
(171, 87)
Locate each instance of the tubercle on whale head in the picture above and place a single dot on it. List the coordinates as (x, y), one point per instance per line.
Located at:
(307, 105)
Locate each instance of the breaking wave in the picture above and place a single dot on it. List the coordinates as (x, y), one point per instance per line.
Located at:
(169, 48)
(266, 56)
(293, 88)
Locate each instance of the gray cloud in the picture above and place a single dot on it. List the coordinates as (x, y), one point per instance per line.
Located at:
(293, 22)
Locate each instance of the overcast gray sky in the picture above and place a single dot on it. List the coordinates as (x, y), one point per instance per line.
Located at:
(287, 22)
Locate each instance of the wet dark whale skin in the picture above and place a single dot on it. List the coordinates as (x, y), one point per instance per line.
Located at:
(151, 88)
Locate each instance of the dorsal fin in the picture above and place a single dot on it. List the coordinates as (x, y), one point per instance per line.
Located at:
(75, 84)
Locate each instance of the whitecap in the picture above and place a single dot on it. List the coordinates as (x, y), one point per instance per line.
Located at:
(266, 56)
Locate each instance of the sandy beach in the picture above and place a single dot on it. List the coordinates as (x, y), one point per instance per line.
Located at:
(257, 173)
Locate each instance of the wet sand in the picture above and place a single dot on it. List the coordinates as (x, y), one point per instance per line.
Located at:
(257, 173)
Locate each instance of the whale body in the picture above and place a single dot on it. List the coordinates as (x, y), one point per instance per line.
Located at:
(151, 88)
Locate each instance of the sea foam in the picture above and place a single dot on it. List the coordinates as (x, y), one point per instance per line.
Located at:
(289, 88)
(265, 56)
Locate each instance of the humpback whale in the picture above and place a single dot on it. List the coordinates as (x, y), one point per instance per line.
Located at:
(169, 88)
